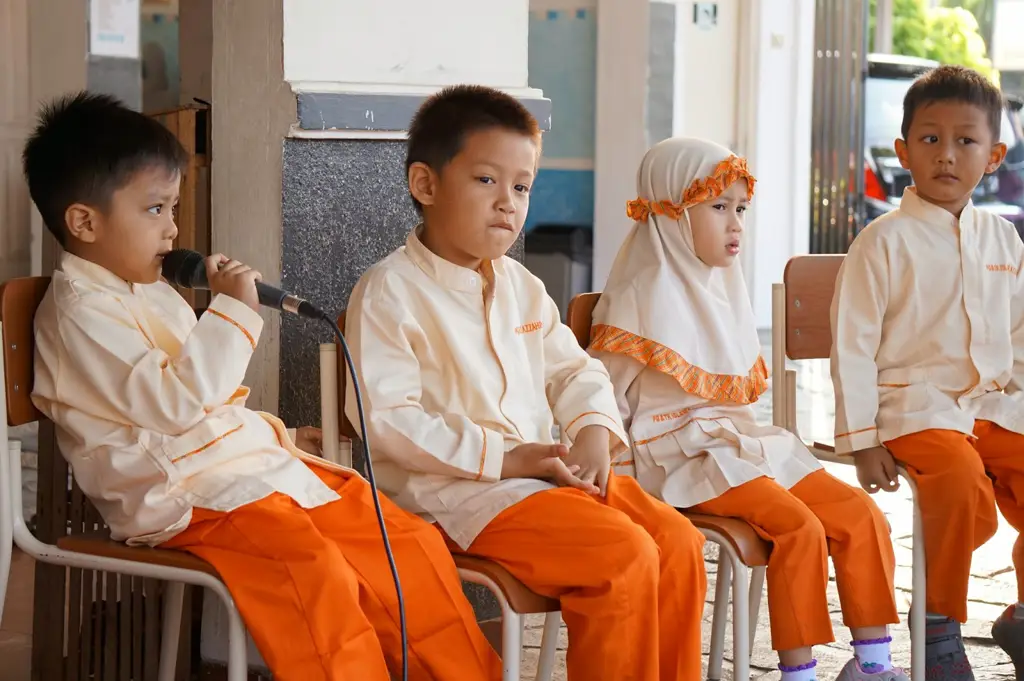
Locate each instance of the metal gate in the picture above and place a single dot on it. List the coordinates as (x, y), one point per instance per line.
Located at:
(837, 124)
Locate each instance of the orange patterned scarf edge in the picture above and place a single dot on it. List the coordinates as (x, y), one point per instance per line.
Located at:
(728, 171)
(694, 380)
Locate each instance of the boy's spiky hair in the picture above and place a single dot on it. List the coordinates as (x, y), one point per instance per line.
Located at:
(954, 84)
(87, 146)
(445, 119)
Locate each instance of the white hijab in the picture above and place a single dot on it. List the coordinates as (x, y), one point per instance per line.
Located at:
(662, 305)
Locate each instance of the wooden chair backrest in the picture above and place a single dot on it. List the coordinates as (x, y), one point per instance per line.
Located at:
(345, 427)
(810, 281)
(19, 299)
(580, 314)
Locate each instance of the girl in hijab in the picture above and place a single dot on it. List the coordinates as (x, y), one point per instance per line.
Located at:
(675, 329)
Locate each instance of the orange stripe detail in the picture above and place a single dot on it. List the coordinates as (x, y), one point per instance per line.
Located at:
(229, 320)
(483, 454)
(622, 463)
(694, 380)
(529, 328)
(854, 432)
(893, 385)
(677, 429)
(208, 444)
(588, 413)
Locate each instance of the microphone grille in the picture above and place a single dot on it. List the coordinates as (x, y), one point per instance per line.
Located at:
(180, 265)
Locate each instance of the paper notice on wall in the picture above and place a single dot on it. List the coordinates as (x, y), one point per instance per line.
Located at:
(114, 28)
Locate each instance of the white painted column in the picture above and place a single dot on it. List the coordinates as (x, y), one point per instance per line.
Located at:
(623, 28)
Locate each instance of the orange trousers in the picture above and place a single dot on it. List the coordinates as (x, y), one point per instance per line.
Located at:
(819, 516)
(960, 480)
(627, 569)
(315, 590)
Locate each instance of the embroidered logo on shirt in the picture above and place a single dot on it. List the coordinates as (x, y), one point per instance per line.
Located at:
(1012, 269)
(530, 328)
(672, 415)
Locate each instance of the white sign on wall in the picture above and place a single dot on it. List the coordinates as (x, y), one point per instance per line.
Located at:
(114, 28)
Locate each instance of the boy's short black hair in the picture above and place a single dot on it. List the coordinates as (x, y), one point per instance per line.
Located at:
(87, 146)
(949, 83)
(445, 119)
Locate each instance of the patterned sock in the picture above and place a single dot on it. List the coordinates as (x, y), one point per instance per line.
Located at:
(873, 654)
(804, 672)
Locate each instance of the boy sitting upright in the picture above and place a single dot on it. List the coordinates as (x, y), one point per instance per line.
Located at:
(466, 367)
(150, 413)
(928, 352)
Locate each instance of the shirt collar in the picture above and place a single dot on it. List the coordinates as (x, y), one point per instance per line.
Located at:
(446, 273)
(76, 268)
(916, 207)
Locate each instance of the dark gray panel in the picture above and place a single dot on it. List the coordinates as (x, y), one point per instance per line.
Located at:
(345, 206)
(121, 78)
(371, 111)
(661, 61)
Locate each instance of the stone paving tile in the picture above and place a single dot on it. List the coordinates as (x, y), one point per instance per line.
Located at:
(993, 583)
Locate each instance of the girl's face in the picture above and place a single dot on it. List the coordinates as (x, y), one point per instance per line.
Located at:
(717, 225)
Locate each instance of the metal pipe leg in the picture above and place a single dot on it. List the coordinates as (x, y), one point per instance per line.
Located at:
(174, 597)
(723, 580)
(548, 646)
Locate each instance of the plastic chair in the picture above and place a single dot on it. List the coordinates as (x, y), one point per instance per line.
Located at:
(742, 554)
(515, 599)
(802, 329)
(19, 299)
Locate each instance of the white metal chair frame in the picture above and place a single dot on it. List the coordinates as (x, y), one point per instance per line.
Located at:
(512, 622)
(747, 584)
(784, 415)
(14, 531)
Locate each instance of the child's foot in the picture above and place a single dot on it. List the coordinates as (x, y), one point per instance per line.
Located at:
(853, 671)
(1008, 633)
(944, 655)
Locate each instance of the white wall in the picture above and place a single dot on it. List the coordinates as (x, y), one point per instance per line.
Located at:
(781, 147)
(336, 45)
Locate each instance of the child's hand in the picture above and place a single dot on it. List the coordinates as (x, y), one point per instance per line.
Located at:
(234, 279)
(876, 469)
(590, 453)
(310, 440)
(532, 460)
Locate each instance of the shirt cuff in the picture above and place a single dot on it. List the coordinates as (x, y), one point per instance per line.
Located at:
(618, 440)
(493, 456)
(234, 311)
(856, 440)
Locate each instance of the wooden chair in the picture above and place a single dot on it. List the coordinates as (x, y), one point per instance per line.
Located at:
(742, 556)
(515, 599)
(19, 299)
(802, 329)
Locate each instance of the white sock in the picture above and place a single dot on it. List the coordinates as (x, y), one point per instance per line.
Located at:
(873, 654)
(804, 672)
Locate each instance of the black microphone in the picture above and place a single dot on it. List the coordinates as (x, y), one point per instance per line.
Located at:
(187, 269)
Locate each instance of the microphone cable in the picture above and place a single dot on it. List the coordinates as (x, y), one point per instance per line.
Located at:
(373, 487)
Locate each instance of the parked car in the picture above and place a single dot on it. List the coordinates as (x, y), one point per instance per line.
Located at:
(889, 77)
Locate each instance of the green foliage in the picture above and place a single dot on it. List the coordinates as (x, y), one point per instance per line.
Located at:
(949, 35)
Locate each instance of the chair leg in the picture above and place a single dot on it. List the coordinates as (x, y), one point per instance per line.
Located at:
(740, 619)
(174, 597)
(918, 602)
(723, 580)
(511, 644)
(548, 646)
(756, 587)
(238, 664)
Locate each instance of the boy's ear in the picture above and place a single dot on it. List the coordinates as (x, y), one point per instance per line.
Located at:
(995, 157)
(82, 222)
(422, 183)
(901, 153)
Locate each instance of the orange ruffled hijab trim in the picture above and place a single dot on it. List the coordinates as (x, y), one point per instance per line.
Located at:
(694, 380)
(712, 186)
